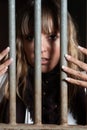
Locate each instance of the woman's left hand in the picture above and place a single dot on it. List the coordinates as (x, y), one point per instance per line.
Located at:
(81, 77)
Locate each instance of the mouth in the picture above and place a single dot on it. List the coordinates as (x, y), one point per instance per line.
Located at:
(44, 61)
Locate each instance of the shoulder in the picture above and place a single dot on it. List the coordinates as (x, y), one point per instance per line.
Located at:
(78, 106)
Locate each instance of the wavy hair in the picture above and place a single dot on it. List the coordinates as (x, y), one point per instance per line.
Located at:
(50, 21)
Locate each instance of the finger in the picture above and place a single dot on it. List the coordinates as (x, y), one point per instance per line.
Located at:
(4, 53)
(6, 63)
(76, 82)
(3, 71)
(76, 62)
(75, 73)
(83, 50)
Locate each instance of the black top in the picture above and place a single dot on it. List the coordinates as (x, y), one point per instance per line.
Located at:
(51, 105)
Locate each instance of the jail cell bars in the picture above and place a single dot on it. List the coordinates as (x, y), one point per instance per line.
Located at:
(38, 125)
(38, 64)
(63, 39)
(12, 41)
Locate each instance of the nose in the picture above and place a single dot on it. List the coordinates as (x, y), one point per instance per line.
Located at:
(43, 44)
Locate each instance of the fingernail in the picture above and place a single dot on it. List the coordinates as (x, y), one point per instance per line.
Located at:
(8, 48)
(6, 67)
(63, 67)
(81, 48)
(67, 56)
(67, 79)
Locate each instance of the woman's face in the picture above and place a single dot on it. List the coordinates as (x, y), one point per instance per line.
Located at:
(50, 50)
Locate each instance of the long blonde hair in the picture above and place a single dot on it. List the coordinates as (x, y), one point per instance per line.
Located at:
(50, 13)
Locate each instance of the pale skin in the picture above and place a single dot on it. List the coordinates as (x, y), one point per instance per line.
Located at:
(82, 77)
(4, 66)
(50, 50)
(50, 55)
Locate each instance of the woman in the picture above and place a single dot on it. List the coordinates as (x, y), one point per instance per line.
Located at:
(50, 66)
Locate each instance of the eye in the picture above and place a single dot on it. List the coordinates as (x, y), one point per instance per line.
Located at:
(52, 37)
(29, 38)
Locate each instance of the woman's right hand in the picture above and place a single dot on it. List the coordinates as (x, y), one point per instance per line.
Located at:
(6, 63)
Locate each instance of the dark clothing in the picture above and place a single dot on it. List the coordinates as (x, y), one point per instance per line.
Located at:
(78, 106)
(51, 106)
(50, 96)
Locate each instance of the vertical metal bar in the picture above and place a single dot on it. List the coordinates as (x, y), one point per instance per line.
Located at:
(86, 23)
(12, 42)
(86, 58)
(38, 98)
(63, 41)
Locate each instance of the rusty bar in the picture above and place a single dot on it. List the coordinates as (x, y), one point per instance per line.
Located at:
(86, 22)
(12, 77)
(63, 41)
(38, 98)
(41, 127)
(86, 58)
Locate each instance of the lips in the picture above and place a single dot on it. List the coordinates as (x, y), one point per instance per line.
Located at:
(44, 61)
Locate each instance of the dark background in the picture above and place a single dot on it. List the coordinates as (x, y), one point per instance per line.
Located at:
(77, 9)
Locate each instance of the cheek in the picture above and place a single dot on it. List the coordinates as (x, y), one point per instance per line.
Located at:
(29, 52)
(55, 57)
(57, 53)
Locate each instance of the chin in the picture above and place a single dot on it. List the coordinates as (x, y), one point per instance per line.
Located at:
(46, 69)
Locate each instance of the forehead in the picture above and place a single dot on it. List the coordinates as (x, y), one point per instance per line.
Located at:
(49, 17)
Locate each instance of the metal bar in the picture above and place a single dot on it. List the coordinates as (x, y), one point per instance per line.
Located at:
(12, 77)
(86, 22)
(38, 98)
(86, 58)
(63, 41)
